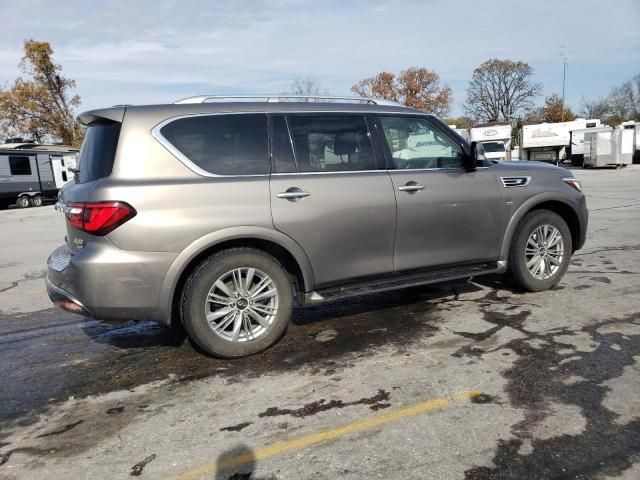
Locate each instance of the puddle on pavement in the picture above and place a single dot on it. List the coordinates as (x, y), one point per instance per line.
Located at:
(77, 357)
(376, 402)
(539, 376)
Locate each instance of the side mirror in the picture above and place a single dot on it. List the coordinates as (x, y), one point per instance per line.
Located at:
(476, 157)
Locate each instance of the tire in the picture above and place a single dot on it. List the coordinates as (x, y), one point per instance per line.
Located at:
(547, 275)
(36, 201)
(204, 285)
(23, 201)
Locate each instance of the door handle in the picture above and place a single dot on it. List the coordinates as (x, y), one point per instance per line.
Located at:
(293, 194)
(411, 187)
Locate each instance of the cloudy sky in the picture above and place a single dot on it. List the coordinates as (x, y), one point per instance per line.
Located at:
(158, 51)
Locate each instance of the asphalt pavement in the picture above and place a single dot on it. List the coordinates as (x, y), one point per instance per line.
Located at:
(464, 380)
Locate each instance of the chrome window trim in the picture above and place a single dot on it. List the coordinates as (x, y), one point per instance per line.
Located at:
(387, 170)
(348, 172)
(155, 133)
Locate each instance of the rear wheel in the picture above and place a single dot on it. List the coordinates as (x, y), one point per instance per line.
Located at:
(236, 303)
(36, 201)
(24, 201)
(540, 251)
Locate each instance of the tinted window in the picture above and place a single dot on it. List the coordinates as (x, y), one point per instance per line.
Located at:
(20, 165)
(282, 149)
(222, 144)
(493, 147)
(415, 143)
(98, 151)
(331, 143)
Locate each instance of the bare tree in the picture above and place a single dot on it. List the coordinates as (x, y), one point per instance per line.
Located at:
(306, 86)
(500, 90)
(416, 87)
(594, 108)
(624, 102)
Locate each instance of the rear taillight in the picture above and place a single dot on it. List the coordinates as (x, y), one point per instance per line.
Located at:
(98, 218)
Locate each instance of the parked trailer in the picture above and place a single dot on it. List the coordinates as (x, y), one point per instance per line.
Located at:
(635, 127)
(495, 138)
(30, 172)
(577, 143)
(613, 148)
(550, 142)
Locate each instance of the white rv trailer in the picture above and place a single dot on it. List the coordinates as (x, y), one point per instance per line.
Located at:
(31, 172)
(635, 126)
(495, 138)
(577, 143)
(549, 142)
(612, 148)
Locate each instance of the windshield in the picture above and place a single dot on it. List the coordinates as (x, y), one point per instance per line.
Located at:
(493, 147)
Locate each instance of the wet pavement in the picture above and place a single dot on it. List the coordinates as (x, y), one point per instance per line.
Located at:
(557, 376)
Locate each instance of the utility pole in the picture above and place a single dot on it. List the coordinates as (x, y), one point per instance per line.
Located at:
(564, 73)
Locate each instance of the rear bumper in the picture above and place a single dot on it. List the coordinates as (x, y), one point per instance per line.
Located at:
(65, 300)
(107, 283)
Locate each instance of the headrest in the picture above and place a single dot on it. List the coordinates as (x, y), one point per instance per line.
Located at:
(345, 143)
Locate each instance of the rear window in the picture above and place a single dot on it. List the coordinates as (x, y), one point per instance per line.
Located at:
(222, 144)
(98, 151)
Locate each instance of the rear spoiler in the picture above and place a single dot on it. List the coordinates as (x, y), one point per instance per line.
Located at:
(114, 114)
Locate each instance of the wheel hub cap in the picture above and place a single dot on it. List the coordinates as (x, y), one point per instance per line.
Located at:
(544, 252)
(241, 305)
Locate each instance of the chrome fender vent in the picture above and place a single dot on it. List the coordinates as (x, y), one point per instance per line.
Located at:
(515, 181)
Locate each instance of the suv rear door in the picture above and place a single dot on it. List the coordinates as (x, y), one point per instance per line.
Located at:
(446, 215)
(328, 194)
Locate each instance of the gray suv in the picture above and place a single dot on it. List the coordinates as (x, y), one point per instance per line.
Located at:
(221, 213)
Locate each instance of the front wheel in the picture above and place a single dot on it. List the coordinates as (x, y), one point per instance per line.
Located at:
(237, 302)
(540, 251)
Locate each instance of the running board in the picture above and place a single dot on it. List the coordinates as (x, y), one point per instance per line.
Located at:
(403, 281)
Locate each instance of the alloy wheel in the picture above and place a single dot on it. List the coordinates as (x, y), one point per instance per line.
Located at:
(544, 252)
(242, 304)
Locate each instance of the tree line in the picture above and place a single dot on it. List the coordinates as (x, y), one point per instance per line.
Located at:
(40, 104)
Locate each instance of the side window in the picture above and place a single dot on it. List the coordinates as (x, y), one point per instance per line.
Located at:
(20, 165)
(222, 144)
(284, 161)
(331, 143)
(415, 143)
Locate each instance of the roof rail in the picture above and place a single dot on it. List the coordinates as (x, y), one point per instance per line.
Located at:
(286, 98)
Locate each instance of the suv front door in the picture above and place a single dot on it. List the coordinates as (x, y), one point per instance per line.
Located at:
(446, 216)
(328, 194)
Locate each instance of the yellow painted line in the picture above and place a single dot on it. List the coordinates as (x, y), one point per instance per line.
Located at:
(323, 436)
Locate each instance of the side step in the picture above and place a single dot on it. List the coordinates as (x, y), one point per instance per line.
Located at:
(403, 281)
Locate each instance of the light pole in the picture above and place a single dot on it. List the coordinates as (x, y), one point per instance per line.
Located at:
(564, 74)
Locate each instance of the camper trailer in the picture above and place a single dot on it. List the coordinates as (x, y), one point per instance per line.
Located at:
(550, 142)
(32, 172)
(578, 143)
(495, 138)
(612, 148)
(635, 128)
